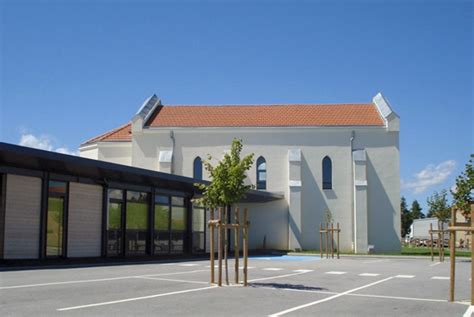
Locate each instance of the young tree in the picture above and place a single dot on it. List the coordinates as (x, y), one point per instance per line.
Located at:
(227, 185)
(464, 192)
(438, 206)
(407, 219)
(416, 210)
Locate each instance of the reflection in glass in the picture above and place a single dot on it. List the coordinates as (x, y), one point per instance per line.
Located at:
(114, 223)
(54, 236)
(162, 242)
(178, 218)
(162, 216)
(177, 242)
(136, 226)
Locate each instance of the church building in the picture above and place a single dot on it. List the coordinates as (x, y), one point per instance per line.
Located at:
(340, 161)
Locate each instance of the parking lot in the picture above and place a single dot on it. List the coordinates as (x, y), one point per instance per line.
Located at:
(286, 285)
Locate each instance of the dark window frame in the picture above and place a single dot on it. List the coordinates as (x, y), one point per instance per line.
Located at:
(261, 184)
(327, 173)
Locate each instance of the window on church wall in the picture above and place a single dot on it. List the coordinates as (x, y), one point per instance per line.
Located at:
(261, 173)
(197, 168)
(327, 173)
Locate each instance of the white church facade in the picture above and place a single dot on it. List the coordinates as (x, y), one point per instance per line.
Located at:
(343, 159)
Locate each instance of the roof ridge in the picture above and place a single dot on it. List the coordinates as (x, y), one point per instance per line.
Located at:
(272, 105)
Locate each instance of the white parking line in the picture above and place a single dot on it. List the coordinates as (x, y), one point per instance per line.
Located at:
(375, 261)
(305, 271)
(281, 313)
(170, 280)
(136, 298)
(440, 278)
(272, 269)
(335, 272)
(97, 280)
(369, 274)
(276, 277)
(434, 264)
(188, 264)
(469, 311)
(405, 276)
(366, 295)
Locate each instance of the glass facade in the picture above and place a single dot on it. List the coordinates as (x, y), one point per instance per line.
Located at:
(170, 225)
(55, 219)
(128, 224)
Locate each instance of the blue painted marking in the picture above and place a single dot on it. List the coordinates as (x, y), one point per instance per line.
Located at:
(298, 258)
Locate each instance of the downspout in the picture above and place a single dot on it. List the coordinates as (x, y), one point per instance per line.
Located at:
(172, 149)
(353, 192)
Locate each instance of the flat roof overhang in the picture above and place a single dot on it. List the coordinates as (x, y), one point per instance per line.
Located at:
(15, 157)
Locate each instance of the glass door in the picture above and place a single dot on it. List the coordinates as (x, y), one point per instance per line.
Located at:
(199, 229)
(55, 219)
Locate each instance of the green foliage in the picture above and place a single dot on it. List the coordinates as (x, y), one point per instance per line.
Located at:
(416, 210)
(438, 206)
(227, 178)
(464, 189)
(407, 219)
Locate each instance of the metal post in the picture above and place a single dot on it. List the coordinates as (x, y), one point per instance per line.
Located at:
(338, 239)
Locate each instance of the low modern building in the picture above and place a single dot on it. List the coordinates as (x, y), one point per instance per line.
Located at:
(54, 205)
(340, 159)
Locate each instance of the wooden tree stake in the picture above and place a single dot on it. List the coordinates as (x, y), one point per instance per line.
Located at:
(246, 225)
(211, 246)
(321, 240)
(236, 245)
(332, 240)
(219, 246)
(431, 241)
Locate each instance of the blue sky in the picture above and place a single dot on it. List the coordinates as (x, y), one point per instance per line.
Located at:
(71, 71)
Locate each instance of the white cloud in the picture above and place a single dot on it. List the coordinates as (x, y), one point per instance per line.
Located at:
(43, 142)
(430, 176)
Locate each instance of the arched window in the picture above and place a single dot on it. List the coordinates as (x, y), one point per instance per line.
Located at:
(327, 173)
(261, 173)
(197, 169)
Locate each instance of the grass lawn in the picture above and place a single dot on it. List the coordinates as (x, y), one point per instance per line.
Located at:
(408, 250)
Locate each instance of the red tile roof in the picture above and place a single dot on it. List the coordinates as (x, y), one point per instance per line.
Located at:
(253, 116)
(266, 116)
(122, 133)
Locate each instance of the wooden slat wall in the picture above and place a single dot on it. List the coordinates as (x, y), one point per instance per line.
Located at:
(84, 220)
(22, 217)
